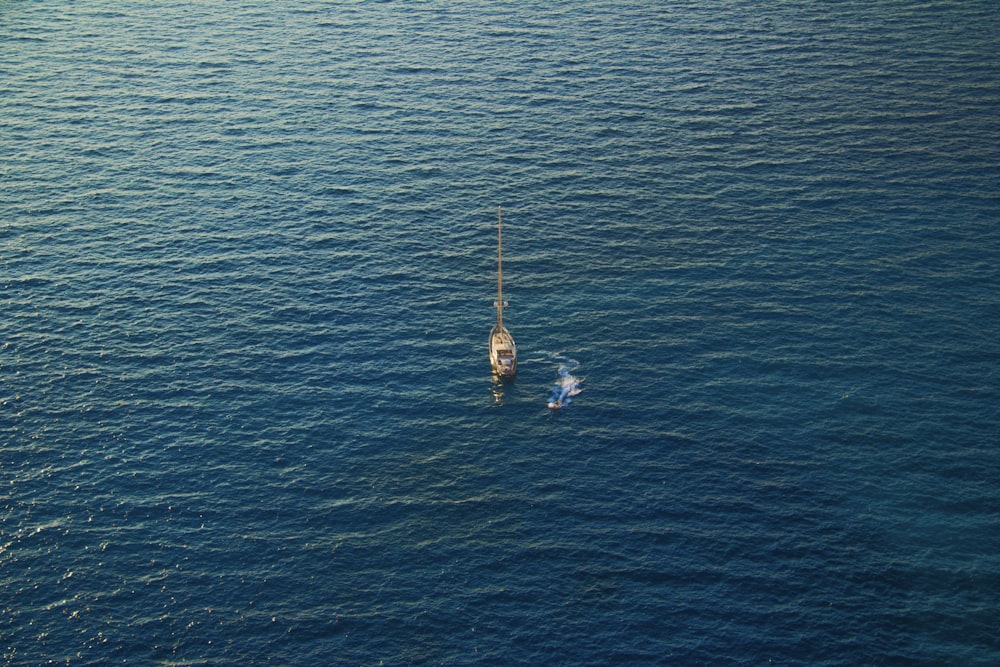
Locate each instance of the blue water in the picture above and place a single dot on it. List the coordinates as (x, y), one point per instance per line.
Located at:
(247, 264)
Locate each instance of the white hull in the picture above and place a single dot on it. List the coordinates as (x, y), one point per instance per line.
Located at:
(503, 352)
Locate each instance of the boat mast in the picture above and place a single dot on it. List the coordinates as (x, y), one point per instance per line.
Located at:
(499, 268)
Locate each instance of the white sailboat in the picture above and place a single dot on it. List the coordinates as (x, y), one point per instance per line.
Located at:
(503, 350)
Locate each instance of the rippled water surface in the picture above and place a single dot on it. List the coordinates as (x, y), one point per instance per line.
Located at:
(247, 262)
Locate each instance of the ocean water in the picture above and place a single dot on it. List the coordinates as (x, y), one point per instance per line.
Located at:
(247, 263)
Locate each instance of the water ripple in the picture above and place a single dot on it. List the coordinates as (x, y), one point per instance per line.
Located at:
(246, 267)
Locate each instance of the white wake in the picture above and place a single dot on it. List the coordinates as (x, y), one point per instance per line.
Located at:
(567, 386)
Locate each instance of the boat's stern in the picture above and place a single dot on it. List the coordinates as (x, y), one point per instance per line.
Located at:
(505, 364)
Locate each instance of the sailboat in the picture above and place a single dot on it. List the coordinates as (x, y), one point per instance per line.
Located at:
(503, 351)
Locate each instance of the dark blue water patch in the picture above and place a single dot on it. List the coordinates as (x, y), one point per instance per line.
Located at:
(245, 401)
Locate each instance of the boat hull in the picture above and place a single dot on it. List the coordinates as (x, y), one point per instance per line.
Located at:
(503, 352)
